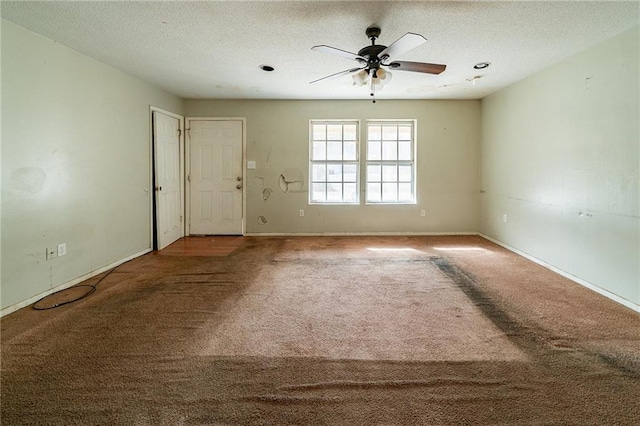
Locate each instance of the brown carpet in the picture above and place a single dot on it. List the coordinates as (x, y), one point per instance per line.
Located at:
(370, 330)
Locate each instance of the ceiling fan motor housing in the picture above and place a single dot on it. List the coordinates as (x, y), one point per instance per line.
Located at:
(372, 51)
(371, 54)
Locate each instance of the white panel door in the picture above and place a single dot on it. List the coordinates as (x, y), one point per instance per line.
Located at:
(215, 177)
(169, 216)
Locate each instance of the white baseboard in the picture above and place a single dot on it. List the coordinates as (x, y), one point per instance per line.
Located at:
(629, 304)
(71, 283)
(354, 234)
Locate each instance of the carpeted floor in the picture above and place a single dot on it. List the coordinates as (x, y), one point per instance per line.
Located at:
(326, 330)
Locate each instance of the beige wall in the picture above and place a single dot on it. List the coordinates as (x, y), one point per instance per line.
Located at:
(559, 156)
(75, 163)
(278, 140)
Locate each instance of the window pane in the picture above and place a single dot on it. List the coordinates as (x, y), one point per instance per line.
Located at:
(389, 192)
(334, 150)
(373, 151)
(389, 173)
(350, 132)
(374, 172)
(404, 192)
(390, 133)
(350, 151)
(390, 157)
(334, 132)
(350, 173)
(319, 132)
(405, 173)
(404, 133)
(319, 173)
(374, 133)
(318, 192)
(389, 150)
(333, 162)
(404, 151)
(350, 192)
(334, 172)
(373, 192)
(334, 192)
(319, 151)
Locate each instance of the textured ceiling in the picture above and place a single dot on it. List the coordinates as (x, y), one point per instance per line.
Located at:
(213, 49)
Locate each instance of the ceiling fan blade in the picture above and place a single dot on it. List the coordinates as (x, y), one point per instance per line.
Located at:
(338, 74)
(333, 51)
(402, 45)
(417, 67)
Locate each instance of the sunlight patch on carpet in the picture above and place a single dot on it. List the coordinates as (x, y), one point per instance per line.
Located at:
(364, 309)
(393, 249)
(459, 249)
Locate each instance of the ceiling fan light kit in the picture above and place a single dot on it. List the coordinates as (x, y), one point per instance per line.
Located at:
(379, 78)
(375, 56)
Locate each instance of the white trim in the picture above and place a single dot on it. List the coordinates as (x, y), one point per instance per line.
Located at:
(29, 301)
(187, 169)
(629, 304)
(357, 234)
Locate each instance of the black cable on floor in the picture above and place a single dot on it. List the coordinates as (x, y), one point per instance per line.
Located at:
(92, 289)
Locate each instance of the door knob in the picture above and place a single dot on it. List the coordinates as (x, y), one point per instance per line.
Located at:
(239, 178)
(158, 188)
(238, 186)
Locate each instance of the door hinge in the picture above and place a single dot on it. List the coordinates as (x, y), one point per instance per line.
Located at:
(180, 219)
(179, 132)
(188, 178)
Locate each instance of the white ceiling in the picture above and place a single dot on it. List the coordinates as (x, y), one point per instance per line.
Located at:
(212, 49)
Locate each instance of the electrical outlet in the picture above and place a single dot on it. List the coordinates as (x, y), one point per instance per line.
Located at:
(301, 213)
(51, 253)
(62, 249)
(251, 165)
(423, 213)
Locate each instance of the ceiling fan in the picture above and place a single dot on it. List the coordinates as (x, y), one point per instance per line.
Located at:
(372, 58)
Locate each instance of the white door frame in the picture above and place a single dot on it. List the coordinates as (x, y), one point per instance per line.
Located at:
(152, 109)
(188, 168)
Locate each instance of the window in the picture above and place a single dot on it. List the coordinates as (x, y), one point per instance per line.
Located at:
(334, 168)
(391, 162)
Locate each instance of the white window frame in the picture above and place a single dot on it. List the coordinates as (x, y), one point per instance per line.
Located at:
(390, 163)
(334, 162)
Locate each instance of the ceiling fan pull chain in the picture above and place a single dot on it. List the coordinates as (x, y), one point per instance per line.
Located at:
(373, 90)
